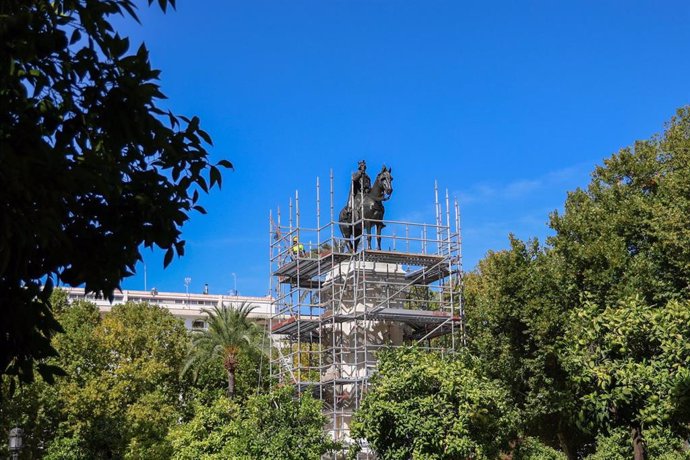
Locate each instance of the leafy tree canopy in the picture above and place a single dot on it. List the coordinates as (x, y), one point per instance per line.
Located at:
(276, 425)
(629, 365)
(626, 235)
(622, 246)
(422, 405)
(515, 317)
(121, 393)
(91, 167)
(587, 332)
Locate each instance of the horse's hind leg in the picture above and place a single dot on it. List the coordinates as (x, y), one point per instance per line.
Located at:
(350, 238)
(378, 236)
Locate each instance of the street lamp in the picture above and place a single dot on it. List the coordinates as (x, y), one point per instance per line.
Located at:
(235, 279)
(15, 442)
(187, 282)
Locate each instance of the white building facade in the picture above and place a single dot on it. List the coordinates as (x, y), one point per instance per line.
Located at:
(187, 307)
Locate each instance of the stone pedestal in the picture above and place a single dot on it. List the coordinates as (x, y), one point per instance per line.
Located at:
(353, 292)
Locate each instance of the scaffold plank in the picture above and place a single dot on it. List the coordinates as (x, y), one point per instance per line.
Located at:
(307, 267)
(404, 258)
(428, 275)
(413, 316)
(337, 381)
(294, 325)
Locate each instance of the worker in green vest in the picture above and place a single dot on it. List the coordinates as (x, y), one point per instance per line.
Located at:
(297, 249)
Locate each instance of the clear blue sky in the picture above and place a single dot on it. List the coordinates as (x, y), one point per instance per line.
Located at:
(507, 104)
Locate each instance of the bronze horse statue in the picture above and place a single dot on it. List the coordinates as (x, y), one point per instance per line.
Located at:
(366, 210)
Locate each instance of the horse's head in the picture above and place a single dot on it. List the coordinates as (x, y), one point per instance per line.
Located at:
(386, 180)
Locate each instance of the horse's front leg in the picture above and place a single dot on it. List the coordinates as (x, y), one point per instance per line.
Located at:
(368, 230)
(356, 236)
(378, 236)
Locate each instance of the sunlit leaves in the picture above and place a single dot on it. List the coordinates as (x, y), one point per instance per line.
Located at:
(422, 405)
(121, 392)
(628, 360)
(277, 425)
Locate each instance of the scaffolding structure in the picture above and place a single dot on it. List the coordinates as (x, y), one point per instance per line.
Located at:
(335, 309)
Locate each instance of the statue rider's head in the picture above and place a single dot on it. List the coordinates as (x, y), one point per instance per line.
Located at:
(362, 165)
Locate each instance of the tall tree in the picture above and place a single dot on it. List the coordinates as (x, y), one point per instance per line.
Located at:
(122, 389)
(422, 405)
(626, 234)
(623, 237)
(91, 167)
(626, 237)
(629, 364)
(277, 425)
(229, 331)
(515, 318)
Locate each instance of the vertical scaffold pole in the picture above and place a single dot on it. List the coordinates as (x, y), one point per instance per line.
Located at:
(331, 221)
(437, 211)
(280, 258)
(461, 274)
(278, 289)
(318, 311)
(297, 296)
(290, 215)
(297, 211)
(271, 243)
(448, 217)
(449, 244)
(332, 316)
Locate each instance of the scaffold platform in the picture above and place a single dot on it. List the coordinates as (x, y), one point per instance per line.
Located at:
(334, 309)
(308, 267)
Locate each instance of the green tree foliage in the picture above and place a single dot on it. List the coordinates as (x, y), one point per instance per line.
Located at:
(283, 426)
(276, 425)
(515, 318)
(423, 405)
(626, 237)
(541, 319)
(533, 449)
(627, 234)
(208, 433)
(121, 392)
(230, 333)
(38, 408)
(661, 444)
(209, 379)
(91, 169)
(628, 363)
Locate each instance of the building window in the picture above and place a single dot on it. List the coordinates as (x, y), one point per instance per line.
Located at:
(199, 324)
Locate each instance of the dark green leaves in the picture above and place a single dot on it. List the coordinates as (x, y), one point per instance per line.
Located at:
(225, 164)
(92, 167)
(587, 332)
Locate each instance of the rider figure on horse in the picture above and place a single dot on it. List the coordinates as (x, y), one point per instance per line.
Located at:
(364, 208)
(361, 183)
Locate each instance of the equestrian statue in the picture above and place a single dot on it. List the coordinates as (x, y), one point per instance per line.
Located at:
(364, 208)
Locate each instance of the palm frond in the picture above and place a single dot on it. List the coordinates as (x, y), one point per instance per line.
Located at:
(229, 329)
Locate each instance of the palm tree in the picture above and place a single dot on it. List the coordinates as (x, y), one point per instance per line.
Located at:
(229, 332)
